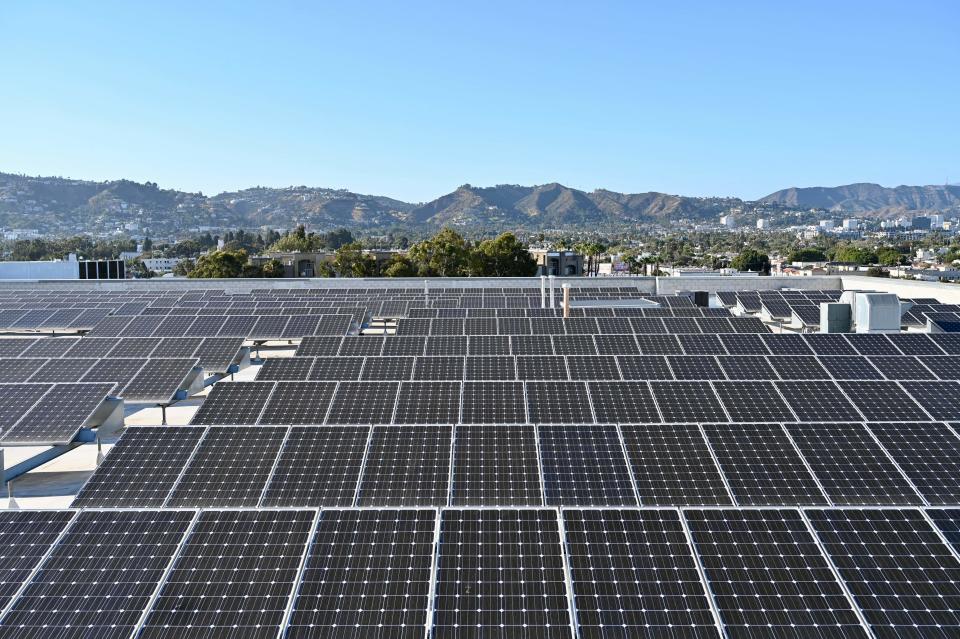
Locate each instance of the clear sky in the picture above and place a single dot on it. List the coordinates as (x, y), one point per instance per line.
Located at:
(411, 99)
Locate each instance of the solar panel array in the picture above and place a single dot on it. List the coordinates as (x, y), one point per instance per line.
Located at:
(622, 473)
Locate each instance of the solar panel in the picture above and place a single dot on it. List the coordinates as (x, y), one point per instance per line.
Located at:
(531, 345)
(285, 368)
(584, 465)
(58, 416)
(818, 402)
(829, 344)
(299, 326)
(62, 370)
(850, 367)
(768, 575)
(490, 367)
(798, 367)
(363, 403)
(948, 522)
(406, 466)
(808, 314)
(593, 367)
(13, 347)
(746, 367)
(872, 344)
(642, 367)
(493, 403)
(659, 344)
(317, 467)
(901, 367)
(687, 402)
(701, 345)
(177, 347)
(882, 401)
(336, 368)
(480, 326)
(88, 347)
(743, 344)
(174, 326)
(672, 466)
(110, 326)
(695, 367)
(361, 346)
(542, 367)
(438, 368)
(325, 346)
(229, 469)
(217, 354)
(915, 344)
(761, 465)
(614, 344)
(50, 347)
(404, 345)
(234, 403)
(850, 465)
(17, 399)
(446, 345)
(500, 572)
(159, 380)
(619, 402)
(237, 570)
(100, 588)
(428, 403)
(574, 345)
(140, 468)
(488, 345)
(681, 325)
(298, 403)
(134, 347)
(367, 575)
(786, 344)
(929, 455)
(749, 401)
(901, 575)
(634, 574)
(949, 342)
(495, 466)
(19, 369)
(940, 399)
(647, 325)
(943, 366)
(26, 537)
(558, 403)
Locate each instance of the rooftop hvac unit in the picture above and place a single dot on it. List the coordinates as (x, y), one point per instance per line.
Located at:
(835, 317)
(876, 313)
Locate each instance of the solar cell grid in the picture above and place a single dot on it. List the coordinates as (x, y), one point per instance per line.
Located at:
(367, 574)
(229, 469)
(403, 345)
(786, 344)
(69, 595)
(687, 402)
(134, 347)
(513, 326)
(746, 367)
(501, 572)
(743, 344)
(701, 345)
(363, 403)
(59, 414)
(285, 368)
(642, 367)
(217, 354)
(948, 342)
(872, 344)
(438, 368)
(446, 345)
(62, 370)
(672, 466)
(238, 570)
(818, 402)
(558, 403)
(940, 399)
(613, 326)
(119, 371)
(584, 465)
(490, 368)
(829, 344)
(269, 327)
(593, 367)
(883, 401)
(762, 467)
(634, 574)
(574, 345)
(531, 345)
(659, 345)
(899, 367)
(493, 403)
(647, 325)
(299, 326)
(749, 401)
(177, 347)
(542, 367)
(901, 575)
(407, 466)
(298, 403)
(95, 347)
(173, 326)
(488, 345)
(915, 344)
(336, 368)
(681, 325)
(616, 344)
(768, 576)
(748, 325)
(695, 367)
(798, 367)
(428, 403)
(50, 347)
(495, 466)
(205, 326)
(943, 366)
(929, 455)
(110, 326)
(25, 537)
(359, 346)
(234, 403)
(13, 347)
(850, 367)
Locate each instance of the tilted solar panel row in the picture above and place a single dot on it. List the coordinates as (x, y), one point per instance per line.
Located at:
(577, 325)
(496, 465)
(521, 572)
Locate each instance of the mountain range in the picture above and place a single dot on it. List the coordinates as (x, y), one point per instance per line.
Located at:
(53, 205)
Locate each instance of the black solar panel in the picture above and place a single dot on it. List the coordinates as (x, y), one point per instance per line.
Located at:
(616, 344)
(768, 575)
(318, 467)
(901, 575)
(406, 466)
(493, 403)
(230, 468)
(134, 347)
(488, 345)
(238, 570)
(446, 345)
(940, 399)
(634, 575)
(285, 368)
(87, 347)
(915, 344)
(786, 344)
(701, 345)
(687, 402)
(829, 344)
(58, 415)
(818, 402)
(363, 403)
(502, 571)
(387, 368)
(428, 403)
(495, 466)
(642, 367)
(540, 368)
(361, 346)
(490, 368)
(901, 367)
(335, 369)
(744, 344)
(531, 345)
(298, 403)
(762, 466)
(584, 465)
(324, 346)
(882, 401)
(798, 367)
(872, 344)
(558, 403)
(749, 401)
(158, 380)
(234, 403)
(695, 367)
(673, 466)
(438, 368)
(659, 344)
(141, 468)
(367, 575)
(26, 537)
(50, 347)
(100, 576)
(943, 366)
(929, 455)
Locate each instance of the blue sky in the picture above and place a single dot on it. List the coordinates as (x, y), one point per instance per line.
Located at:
(412, 99)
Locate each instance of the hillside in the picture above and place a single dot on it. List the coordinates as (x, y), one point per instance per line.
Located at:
(861, 198)
(59, 206)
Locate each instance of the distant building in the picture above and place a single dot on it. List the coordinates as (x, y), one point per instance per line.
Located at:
(297, 264)
(727, 221)
(851, 224)
(560, 263)
(763, 224)
(68, 269)
(164, 265)
(826, 224)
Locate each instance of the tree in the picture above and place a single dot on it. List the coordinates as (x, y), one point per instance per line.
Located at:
(147, 245)
(446, 254)
(809, 254)
(220, 264)
(272, 268)
(503, 256)
(751, 260)
(139, 270)
(184, 267)
(887, 256)
(400, 266)
(854, 254)
(877, 271)
(351, 261)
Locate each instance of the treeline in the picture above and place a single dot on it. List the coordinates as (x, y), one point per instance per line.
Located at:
(446, 254)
